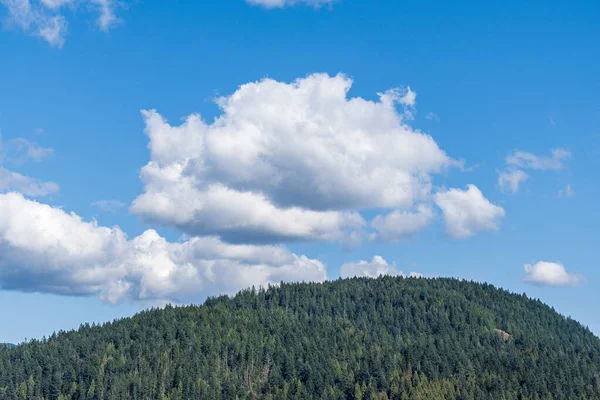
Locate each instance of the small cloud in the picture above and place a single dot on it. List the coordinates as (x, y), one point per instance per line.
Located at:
(551, 120)
(373, 269)
(20, 150)
(510, 180)
(109, 205)
(107, 18)
(462, 166)
(54, 30)
(467, 212)
(13, 181)
(45, 19)
(546, 273)
(432, 116)
(28, 150)
(285, 3)
(523, 159)
(567, 192)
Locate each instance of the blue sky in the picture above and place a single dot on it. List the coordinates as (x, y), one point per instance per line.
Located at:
(508, 88)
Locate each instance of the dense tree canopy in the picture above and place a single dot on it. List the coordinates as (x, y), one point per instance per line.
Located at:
(386, 338)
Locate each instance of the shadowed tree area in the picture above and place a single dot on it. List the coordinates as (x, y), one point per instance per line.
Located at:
(386, 338)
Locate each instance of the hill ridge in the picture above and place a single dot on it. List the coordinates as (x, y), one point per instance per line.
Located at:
(390, 337)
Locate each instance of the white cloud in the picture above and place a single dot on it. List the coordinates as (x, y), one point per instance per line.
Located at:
(567, 192)
(467, 212)
(107, 17)
(405, 97)
(284, 3)
(13, 181)
(555, 162)
(373, 269)
(287, 162)
(17, 150)
(398, 225)
(408, 98)
(109, 205)
(511, 180)
(550, 274)
(20, 150)
(44, 18)
(432, 116)
(53, 30)
(45, 249)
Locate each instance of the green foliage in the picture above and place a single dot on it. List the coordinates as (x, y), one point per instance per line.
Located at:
(386, 338)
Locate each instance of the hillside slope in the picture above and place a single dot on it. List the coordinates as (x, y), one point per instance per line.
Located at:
(386, 338)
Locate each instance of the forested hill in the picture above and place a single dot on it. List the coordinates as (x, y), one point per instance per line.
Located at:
(6, 345)
(386, 338)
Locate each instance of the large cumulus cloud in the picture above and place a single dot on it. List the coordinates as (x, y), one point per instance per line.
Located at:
(45, 249)
(288, 161)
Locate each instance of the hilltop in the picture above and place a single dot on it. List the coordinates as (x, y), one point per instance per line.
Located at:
(385, 338)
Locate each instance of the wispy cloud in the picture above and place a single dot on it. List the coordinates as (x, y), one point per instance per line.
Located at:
(46, 19)
(432, 116)
(109, 205)
(510, 179)
(285, 3)
(20, 150)
(13, 181)
(16, 152)
(553, 162)
(567, 192)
